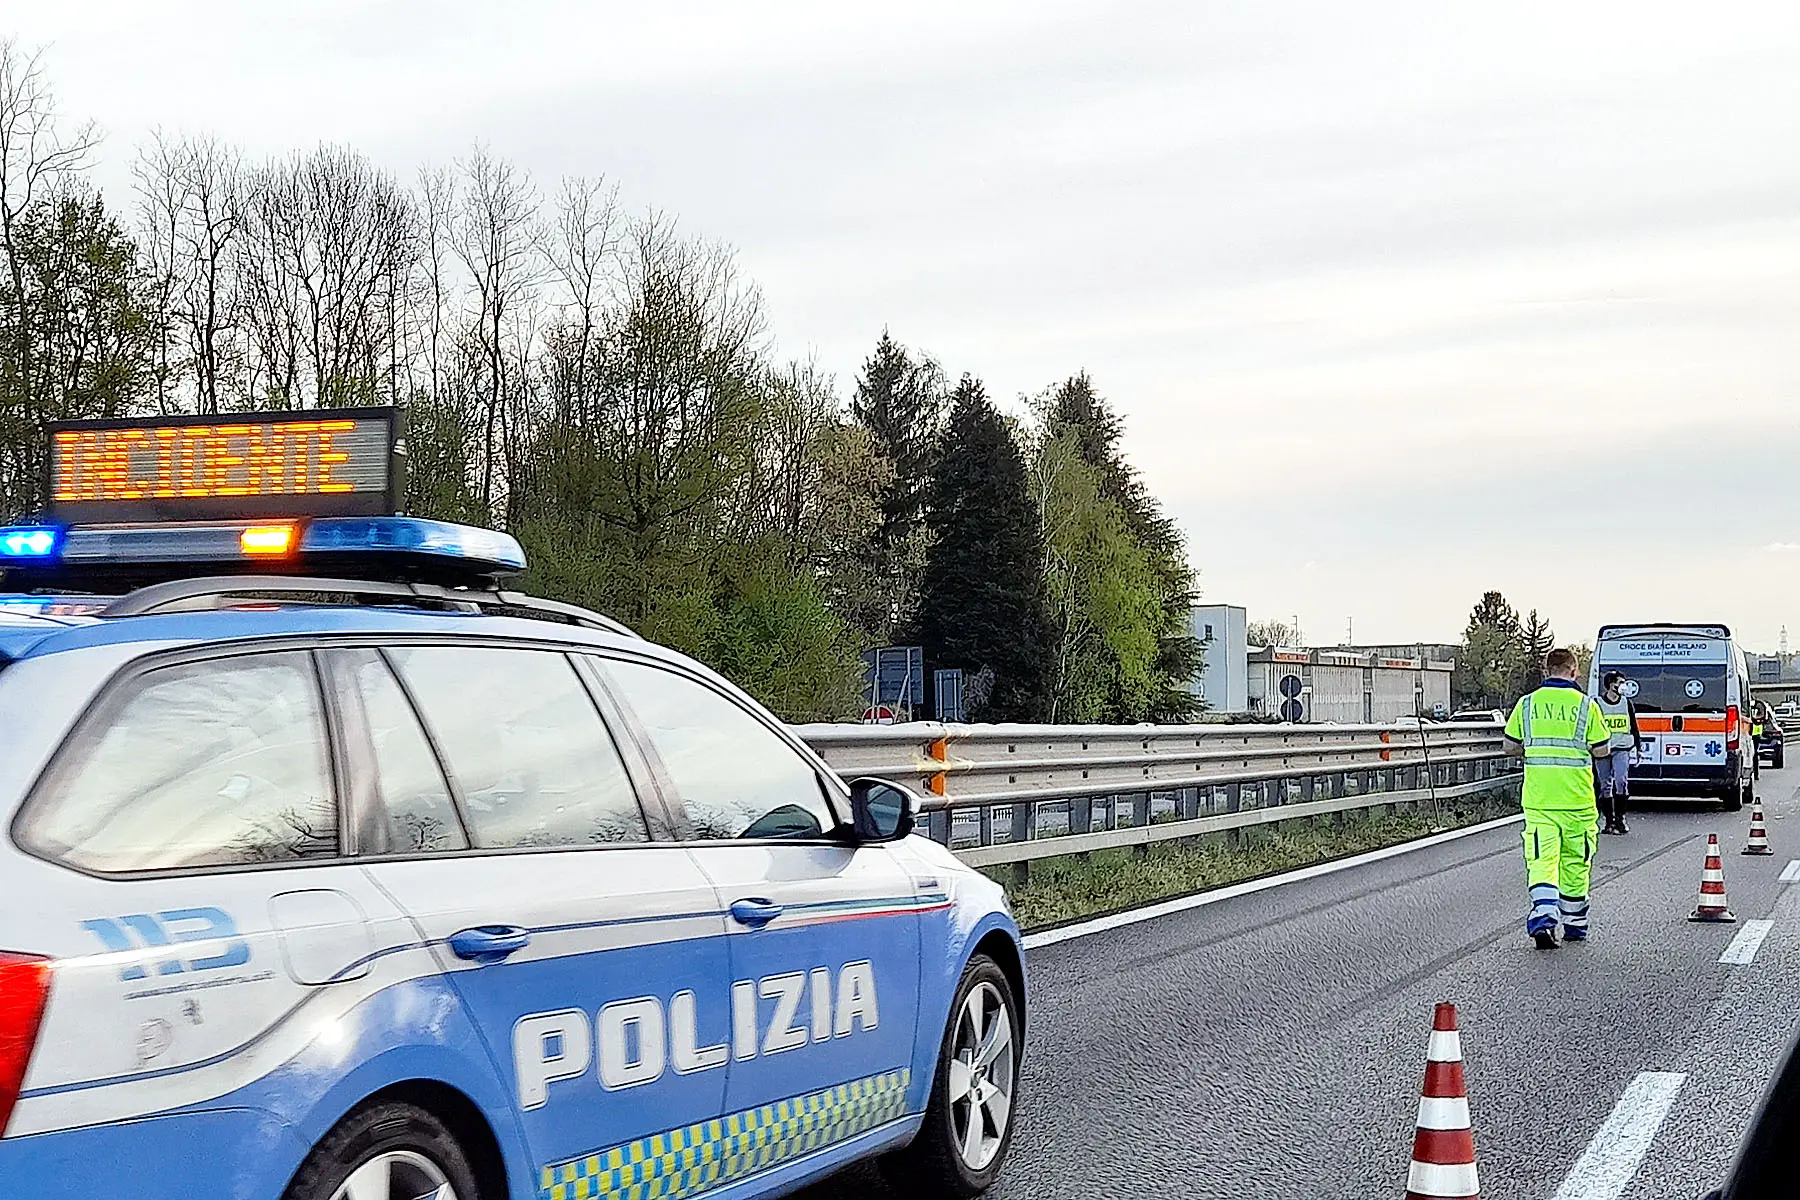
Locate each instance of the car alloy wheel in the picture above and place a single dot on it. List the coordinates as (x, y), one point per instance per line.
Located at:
(397, 1175)
(982, 1076)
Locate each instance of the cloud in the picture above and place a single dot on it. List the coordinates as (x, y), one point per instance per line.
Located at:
(1399, 302)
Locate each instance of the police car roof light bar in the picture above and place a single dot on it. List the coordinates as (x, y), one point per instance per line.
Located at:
(224, 591)
(108, 557)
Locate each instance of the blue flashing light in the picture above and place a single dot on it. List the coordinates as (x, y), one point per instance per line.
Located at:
(377, 542)
(30, 543)
(412, 535)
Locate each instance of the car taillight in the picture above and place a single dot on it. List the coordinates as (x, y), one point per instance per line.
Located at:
(1731, 727)
(24, 991)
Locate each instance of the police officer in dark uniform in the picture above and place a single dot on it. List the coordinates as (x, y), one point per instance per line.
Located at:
(1612, 774)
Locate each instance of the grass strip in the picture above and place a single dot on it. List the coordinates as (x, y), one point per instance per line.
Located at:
(1075, 886)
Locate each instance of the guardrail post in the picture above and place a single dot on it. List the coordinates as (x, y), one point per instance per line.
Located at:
(1234, 803)
(1140, 817)
(1024, 816)
(937, 826)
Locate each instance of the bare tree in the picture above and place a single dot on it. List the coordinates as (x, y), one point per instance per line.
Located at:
(579, 246)
(437, 228)
(38, 158)
(213, 192)
(161, 204)
(188, 194)
(496, 240)
(329, 244)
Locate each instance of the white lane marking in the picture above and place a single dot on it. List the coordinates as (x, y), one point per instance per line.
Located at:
(1066, 933)
(1791, 873)
(1606, 1167)
(1743, 948)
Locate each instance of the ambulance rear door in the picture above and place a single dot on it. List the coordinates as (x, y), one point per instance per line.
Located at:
(1681, 683)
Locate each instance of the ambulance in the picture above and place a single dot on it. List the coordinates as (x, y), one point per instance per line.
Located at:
(1691, 687)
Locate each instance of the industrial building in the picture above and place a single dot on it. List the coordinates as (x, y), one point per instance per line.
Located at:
(1224, 682)
(1775, 678)
(1345, 686)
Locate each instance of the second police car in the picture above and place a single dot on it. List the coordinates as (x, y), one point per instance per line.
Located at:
(360, 878)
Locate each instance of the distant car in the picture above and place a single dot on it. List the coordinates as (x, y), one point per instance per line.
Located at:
(1479, 715)
(1771, 743)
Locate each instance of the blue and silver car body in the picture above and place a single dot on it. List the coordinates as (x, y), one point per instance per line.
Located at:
(669, 1011)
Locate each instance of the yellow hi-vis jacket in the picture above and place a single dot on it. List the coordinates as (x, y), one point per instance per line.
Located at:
(1560, 726)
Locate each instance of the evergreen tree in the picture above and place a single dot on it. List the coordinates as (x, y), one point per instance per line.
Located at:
(900, 401)
(1539, 640)
(1077, 411)
(1488, 668)
(76, 330)
(982, 600)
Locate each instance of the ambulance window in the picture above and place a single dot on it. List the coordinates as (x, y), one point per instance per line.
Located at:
(737, 778)
(524, 745)
(205, 764)
(1677, 687)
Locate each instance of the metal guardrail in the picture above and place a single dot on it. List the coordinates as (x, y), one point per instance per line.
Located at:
(1015, 793)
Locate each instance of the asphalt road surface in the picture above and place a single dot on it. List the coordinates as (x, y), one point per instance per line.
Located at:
(1273, 1045)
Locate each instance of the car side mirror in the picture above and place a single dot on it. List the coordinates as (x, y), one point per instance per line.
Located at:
(881, 811)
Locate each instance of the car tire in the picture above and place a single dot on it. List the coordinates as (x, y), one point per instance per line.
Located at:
(1733, 800)
(944, 1161)
(414, 1150)
(1777, 759)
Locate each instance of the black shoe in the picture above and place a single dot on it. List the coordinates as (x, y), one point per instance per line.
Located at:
(1609, 827)
(1619, 826)
(1546, 939)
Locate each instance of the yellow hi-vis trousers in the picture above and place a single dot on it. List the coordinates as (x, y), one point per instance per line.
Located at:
(1559, 855)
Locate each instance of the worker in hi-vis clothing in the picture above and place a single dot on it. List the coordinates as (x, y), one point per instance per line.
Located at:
(1559, 731)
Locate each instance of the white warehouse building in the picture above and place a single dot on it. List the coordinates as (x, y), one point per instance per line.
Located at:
(1347, 687)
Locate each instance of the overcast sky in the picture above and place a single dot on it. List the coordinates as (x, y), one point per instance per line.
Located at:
(1401, 300)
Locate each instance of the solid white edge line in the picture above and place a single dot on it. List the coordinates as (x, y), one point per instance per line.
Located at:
(1791, 872)
(1749, 939)
(1164, 908)
(1608, 1165)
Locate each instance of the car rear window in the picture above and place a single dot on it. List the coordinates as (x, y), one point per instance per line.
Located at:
(201, 764)
(1677, 687)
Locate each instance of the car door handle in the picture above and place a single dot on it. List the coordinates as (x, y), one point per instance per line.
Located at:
(755, 912)
(489, 943)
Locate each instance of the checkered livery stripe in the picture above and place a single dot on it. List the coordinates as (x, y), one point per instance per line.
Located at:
(698, 1158)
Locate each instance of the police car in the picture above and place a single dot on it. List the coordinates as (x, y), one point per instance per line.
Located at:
(333, 870)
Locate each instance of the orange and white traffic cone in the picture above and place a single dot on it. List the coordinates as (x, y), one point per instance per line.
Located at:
(1443, 1159)
(1759, 832)
(1712, 886)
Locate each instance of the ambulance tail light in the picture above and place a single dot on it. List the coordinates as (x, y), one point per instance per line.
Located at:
(1731, 727)
(24, 991)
